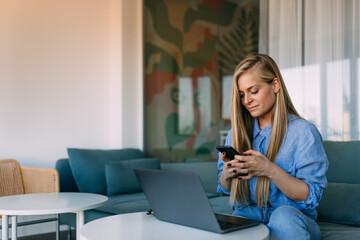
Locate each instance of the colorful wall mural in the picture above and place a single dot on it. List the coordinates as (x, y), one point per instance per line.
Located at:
(191, 50)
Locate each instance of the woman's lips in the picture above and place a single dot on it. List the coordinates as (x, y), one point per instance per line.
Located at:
(252, 108)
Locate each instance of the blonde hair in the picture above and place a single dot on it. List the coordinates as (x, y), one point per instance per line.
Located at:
(242, 123)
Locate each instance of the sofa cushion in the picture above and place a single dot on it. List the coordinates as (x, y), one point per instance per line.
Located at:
(333, 231)
(125, 203)
(340, 204)
(344, 156)
(88, 166)
(120, 176)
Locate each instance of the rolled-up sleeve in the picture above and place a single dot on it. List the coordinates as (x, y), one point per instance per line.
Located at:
(311, 165)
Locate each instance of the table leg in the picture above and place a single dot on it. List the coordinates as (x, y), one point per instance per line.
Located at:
(5, 226)
(79, 223)
(13, 228)
(57, 227)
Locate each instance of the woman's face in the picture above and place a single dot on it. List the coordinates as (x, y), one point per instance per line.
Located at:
(258, 97)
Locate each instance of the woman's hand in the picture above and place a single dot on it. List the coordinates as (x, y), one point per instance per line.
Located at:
(245, 167)
(230, 169)
(252, 164)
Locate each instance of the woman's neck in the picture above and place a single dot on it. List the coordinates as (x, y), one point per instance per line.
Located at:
(263, 123)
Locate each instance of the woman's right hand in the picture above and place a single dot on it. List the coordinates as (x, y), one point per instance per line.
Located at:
(228, 172)
(232, 168)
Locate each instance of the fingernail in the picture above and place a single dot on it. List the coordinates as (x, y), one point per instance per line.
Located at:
(229, 164)
(234, 171)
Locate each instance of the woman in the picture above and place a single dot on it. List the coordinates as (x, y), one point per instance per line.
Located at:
(280, 176)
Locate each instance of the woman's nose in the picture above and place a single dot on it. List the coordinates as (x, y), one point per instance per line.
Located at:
(248, 98)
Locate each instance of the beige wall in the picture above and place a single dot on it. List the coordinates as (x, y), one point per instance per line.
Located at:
(70, 76)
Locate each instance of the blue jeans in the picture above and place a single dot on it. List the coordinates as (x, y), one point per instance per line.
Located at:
(284, 222)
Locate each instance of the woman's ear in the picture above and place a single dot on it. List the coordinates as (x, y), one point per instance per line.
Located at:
(276, 85)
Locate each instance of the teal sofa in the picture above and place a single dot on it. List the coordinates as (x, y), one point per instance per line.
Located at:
(102, 171)
(109, 172)
(339, 207)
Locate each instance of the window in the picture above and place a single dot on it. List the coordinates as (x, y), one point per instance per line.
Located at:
(316, 44)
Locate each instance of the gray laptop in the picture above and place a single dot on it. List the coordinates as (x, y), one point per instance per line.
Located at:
(179, 197)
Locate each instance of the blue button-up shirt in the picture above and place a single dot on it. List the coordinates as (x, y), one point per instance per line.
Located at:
(302, 155)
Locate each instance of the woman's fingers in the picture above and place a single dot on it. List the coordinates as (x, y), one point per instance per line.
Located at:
(253, 152)
(246, 177)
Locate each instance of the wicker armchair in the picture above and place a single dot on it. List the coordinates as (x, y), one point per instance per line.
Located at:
(15, 180)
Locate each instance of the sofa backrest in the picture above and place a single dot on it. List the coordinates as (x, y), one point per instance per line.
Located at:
(88, 166)
(344, 161)
(344, 164)
(207, 170)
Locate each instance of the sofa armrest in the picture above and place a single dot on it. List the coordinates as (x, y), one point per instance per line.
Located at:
(67, 181)
(40, 180)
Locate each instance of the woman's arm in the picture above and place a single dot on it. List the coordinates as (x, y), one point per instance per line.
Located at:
(256, 164)
(225, 183)
(294, 188)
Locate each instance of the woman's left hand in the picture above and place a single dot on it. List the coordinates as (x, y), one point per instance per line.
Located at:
(256, 163)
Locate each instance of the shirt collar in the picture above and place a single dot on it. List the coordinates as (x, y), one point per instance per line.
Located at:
(266, 132)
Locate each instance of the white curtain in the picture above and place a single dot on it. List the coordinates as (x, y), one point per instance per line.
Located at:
(317, 47)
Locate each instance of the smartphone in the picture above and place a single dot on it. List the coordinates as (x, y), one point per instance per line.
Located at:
(229, 150)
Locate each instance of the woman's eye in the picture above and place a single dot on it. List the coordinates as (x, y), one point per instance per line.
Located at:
(254, 92)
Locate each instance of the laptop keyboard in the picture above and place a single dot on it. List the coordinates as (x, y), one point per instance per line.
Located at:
(229, 222)
(227, 225)
(226, 222)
